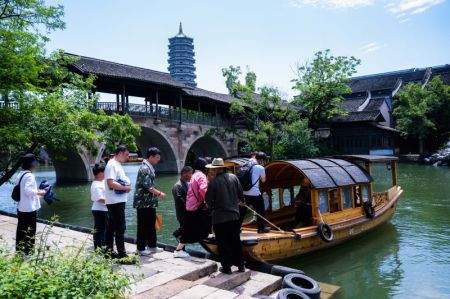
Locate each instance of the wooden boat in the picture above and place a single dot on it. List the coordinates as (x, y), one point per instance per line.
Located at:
(316, 203)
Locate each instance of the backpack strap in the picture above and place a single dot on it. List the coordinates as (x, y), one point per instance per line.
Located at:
(18, 184)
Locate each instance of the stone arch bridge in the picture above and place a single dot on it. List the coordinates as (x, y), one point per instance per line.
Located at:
(173, 116)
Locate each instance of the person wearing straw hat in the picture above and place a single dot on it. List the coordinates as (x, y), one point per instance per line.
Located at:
(223, 197)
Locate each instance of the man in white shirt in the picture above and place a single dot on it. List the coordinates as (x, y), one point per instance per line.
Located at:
(253, 196)
(117, 186)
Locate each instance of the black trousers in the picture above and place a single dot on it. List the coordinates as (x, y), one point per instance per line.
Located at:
(229, 243)
(100, 225)
(146, 232)
(26, 232)
(257, 202)
(116, 228)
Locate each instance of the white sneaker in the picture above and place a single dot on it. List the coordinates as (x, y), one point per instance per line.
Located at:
(180, 253)
(155, 249)
(145, 252)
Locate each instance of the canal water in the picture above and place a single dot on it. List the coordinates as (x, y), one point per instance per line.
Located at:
(409, 257)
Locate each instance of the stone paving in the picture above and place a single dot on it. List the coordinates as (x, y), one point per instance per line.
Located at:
(161, 275)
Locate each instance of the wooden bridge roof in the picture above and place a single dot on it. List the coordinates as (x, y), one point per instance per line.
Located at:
(111, 70)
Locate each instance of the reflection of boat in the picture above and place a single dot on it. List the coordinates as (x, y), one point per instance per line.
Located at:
(319, 203)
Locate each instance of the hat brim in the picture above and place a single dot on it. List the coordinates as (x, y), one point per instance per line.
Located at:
(214, 166)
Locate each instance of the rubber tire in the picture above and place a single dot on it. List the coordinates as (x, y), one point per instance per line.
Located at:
(320, 231)
(369, 210)
(287, 293)
(303, 284)
(283, 271)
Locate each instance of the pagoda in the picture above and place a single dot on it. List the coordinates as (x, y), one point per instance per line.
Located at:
(181, 58)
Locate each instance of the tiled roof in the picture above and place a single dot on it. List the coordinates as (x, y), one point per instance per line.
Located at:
(374, 104)
(358, 116)
(98, 67)
(198, 92)
(352, 105)
(103, 68)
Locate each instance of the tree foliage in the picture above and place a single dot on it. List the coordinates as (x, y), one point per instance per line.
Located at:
(266, 119)
(43, 104)
(322, 83)
(423, 112)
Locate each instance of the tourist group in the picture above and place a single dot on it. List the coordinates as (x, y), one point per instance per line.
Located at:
(207, 200)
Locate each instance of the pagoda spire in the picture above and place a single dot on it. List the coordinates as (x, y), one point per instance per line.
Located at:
(180, 31)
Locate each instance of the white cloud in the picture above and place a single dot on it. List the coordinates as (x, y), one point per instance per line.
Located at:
(401, 8)
(332, 4)
(371, 47)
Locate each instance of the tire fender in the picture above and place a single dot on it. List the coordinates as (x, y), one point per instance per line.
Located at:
(287, 293)
(369, 210)
(302, 283)
(325, 232)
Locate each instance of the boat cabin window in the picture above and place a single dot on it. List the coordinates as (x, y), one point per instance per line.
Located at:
(365, 193)
(323, 202)
(347, 198)
(334, 200)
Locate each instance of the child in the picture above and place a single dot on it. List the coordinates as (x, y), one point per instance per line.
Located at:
(99, 209)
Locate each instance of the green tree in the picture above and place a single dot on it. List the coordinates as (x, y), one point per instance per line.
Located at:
(43, 104)
(322, 83)
(422, 111)
(266, 119)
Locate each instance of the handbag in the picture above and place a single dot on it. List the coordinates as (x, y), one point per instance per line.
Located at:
(158, 222)
(15, 195)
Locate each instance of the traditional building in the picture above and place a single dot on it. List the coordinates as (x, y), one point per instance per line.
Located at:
(181, 58)
(368, 126)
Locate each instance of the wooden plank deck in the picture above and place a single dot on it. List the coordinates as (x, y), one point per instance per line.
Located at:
(162, 276)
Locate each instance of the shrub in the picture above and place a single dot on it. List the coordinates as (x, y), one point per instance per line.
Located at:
(56, 272)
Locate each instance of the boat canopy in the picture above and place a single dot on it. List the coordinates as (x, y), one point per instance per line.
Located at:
(320, 173)
(367, 158)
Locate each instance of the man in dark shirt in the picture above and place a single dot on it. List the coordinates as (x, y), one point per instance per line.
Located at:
(179, 192)
(223, 197)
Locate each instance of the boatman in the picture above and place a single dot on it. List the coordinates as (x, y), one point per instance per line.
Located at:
(253, 196)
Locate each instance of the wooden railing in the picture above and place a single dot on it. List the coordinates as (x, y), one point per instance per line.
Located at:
(169, 113)
(380, 198)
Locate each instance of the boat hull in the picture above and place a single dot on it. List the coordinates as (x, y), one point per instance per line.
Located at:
(278, 246)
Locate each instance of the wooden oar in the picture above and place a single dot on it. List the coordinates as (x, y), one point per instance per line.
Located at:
(257, 214)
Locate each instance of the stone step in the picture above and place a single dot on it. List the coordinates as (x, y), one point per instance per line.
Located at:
(259, 284)
(196, 292)
(173, 269)
(226, 281)
(167, 290)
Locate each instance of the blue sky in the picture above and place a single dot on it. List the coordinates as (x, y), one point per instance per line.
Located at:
(270, 36)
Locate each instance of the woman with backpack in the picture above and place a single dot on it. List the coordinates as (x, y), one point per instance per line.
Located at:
(27, 206)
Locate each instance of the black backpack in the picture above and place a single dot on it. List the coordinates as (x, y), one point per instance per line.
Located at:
(15, 195)
(244, 174)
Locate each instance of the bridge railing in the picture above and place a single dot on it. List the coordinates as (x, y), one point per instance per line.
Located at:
(13, 105)
(169, 113)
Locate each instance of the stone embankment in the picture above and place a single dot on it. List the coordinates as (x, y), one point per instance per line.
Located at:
(163, 276)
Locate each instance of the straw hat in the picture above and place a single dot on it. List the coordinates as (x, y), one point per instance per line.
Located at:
(216, 163)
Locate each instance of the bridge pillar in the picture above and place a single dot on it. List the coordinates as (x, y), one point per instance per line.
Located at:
(77, 166)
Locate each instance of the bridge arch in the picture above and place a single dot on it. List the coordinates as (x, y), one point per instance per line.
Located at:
(152, 137)
(205, 146)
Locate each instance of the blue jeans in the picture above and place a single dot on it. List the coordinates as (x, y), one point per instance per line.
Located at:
(101, 220)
